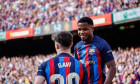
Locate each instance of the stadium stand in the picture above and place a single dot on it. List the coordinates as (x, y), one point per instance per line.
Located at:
(19, 14)
(128, 66)
(15, 70)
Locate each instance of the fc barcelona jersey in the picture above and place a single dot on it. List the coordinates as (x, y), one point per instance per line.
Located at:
(94, 55)
(63, 69)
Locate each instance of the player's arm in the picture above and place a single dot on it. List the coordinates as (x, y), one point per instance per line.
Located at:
(39, 80)
(109, 60)
(111, 72)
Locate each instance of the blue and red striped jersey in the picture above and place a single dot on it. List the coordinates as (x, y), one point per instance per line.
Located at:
(63, 69)
(94, 55)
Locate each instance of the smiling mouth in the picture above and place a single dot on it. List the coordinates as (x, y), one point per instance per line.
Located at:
(82, 36)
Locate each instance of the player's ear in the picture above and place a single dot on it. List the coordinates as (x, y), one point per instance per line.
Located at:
(92, 28)
(57, 46)
(71, 44)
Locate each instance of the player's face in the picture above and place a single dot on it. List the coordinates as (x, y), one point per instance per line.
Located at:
(85, 32)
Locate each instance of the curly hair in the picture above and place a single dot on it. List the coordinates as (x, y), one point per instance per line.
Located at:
(64, 38)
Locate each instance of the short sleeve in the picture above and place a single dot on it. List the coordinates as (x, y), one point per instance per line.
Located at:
(106, 52)
(41, 70)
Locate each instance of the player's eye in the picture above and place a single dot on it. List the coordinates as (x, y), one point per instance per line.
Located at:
(85, 29)
(79, 29)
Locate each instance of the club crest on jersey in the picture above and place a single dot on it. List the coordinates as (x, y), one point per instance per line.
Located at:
(91, 51)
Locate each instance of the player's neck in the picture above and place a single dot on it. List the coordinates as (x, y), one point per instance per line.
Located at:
(90, 39)
(64, 51)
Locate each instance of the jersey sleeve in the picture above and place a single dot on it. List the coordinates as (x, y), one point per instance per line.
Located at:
(41, 70)
(85, 75)
(106, 52)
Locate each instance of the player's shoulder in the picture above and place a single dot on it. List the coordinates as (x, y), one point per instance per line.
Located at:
(44, 64)
(99, 39)
(99, 42)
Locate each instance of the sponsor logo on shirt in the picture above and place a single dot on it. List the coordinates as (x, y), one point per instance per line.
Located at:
(87, 62)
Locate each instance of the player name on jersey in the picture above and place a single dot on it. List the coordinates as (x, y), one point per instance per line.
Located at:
(64, 64)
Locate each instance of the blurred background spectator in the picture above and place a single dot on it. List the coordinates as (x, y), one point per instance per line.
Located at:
(128, 66)
(22, 70)
(18, 14)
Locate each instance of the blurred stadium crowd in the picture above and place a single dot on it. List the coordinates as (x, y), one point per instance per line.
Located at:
(128, 66)
(18, 14)
(22, 70)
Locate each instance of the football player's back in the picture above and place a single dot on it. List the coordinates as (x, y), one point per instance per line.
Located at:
(63, 68)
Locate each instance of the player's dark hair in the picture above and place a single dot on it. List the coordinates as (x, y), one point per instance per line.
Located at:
(64, 38)
(86, 20)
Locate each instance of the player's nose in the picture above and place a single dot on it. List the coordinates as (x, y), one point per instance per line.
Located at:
(82, 31)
